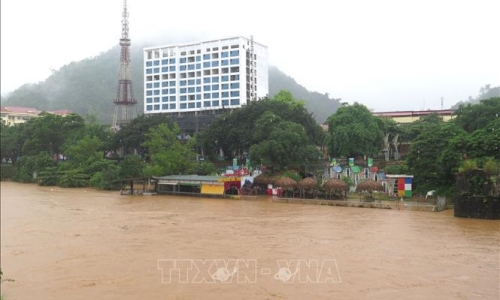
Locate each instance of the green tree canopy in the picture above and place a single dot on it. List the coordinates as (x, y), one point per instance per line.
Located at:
(354, 131)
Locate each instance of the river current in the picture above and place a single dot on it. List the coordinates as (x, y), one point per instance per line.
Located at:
(87, 244)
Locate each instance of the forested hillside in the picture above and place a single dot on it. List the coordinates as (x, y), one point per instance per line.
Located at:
(89, 86)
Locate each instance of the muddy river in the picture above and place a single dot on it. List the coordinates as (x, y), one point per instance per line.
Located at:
(86, 244)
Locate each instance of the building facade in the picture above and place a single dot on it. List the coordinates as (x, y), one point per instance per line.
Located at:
(12, 115)
(204, 76)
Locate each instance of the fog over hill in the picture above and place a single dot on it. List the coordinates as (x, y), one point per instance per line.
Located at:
(89, 86)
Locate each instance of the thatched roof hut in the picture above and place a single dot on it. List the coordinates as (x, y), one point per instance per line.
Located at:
(265, 179)
(369, 185)
(285, 183)
(308, 183)
(335, 184)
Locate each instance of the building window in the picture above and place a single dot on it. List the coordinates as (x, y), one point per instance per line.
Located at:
(235, 93)
(206, 56)
(149, 64)
(225, 94)
(171, 68)
(191, 105)
(206, 103)
(191, 90)
(215, 87)
(183, 82)
(225, 78)
(206, 80)
(235, 52)
(156, 100)
(225, 86)
(149, 107)
(206, 96)
(172, 105)
(198, 81)
(206, 88)
(156, 84)
(172, 91)
(149, 85)
(156, 92)
(215, 103)
(235, 85)
(215, 79)
(183, 106)
(149, 93)
(191, 82)
(198, 89)
(172, 83)
(172, 98)
(182, 60)
(172, 61)
(224, 54)
(183, 90)
(224, 62)
(164, 91)
(198, 58)
(149, 71)
(149, 100)
(164, 61)
(225, 102)
(183, 98)
(235, 61)
(156, 62)
(164, 84)
(215, 95)
(215, 63)
(235, 77)
(164, 99)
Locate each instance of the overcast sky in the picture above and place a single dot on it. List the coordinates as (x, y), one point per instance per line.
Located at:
(387, 55)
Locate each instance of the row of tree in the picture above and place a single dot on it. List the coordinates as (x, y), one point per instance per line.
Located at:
(278, 133)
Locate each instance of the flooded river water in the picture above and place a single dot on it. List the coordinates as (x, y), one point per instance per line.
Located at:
(86, 244)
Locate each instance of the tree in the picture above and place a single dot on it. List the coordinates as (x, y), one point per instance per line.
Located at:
(283, 144)
(166, 154)
(354, 131)
(234, 132)
(436, 153)
(471, 117)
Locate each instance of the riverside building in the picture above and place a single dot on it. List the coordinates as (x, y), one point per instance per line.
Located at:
(204, 76)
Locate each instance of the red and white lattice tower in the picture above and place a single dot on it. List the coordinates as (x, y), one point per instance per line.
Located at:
(125, 109)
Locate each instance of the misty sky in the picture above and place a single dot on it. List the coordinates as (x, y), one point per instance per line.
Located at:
(387, 55)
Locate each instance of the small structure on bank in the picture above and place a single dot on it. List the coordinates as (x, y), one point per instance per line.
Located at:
(308, 187)
(335, 188)
(478, 195)
(368, 187)
(399, 185)
(287, 186)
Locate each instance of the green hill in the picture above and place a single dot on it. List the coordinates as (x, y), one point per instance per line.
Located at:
(89, 86)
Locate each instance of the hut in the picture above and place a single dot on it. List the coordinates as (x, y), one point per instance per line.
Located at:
(309, 186)
(335, 187)
(287, 185)
(368, 187)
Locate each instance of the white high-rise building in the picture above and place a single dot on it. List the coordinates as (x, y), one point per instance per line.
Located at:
(204, 76)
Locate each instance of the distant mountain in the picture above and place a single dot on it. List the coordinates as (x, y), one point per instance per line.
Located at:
(89, 86)
(486, 92)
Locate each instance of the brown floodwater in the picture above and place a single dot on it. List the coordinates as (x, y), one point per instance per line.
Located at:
(86, 244)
